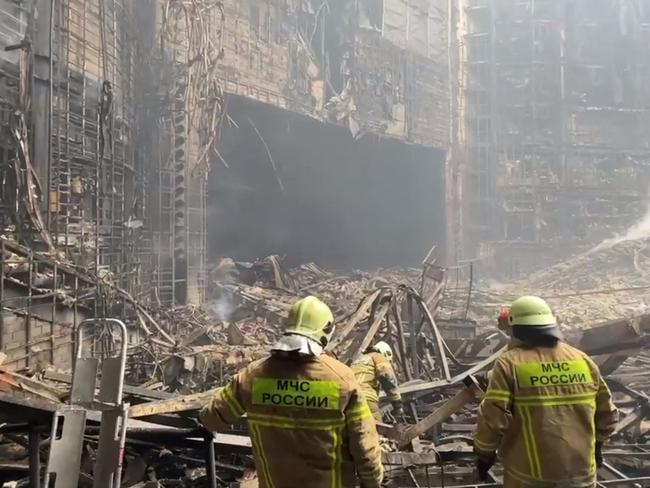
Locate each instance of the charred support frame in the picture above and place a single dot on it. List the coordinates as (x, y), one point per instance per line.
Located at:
(34, 457)
(42, 91)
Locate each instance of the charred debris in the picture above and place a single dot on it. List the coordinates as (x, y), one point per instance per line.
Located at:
(142, 139)
(177, 356)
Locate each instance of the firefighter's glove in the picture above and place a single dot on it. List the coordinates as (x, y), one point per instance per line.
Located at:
(483, 465)
(199, 429)
(599, 454)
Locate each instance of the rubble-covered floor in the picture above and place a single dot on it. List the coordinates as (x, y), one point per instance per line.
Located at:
(177, 356)
(608, 282)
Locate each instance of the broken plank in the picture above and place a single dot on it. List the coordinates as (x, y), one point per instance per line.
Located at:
(452, 406)
(14, 382)
(409, 458)
(360, 312)
(372, 330)
(630, 420)
(185, 403)
(136, 391)
(422, 387)
(613, 336)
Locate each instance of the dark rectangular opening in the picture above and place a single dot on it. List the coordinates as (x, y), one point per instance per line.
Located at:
(297, 187)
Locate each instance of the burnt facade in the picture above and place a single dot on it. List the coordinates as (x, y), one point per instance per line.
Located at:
(111, 118)
(376, 68)
(553, 110)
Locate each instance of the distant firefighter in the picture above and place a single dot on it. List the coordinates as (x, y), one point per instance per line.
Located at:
(547, 409)
(374, 370)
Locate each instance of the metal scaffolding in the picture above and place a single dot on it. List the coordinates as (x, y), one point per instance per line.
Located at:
(94, 188)
(72, 186)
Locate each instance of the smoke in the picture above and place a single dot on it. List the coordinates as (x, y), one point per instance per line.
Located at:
(637, 232)
(223, 308)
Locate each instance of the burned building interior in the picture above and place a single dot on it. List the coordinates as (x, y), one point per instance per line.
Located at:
(321, 195)
(174, 174)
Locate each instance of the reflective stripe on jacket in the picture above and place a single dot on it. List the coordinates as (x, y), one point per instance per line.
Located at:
(543, 410)
(310, 426)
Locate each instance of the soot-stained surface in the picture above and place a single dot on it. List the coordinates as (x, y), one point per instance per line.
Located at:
(331, 199)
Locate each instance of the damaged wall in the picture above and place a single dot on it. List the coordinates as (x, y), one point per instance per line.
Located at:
(556, 102)
(182, 126)
(305, 57)
(13, 23)
(83, 136)
(71, 185)
(43, 338)
(111, 116)
(351, 62)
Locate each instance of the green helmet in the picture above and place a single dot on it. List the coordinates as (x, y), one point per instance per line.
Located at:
(311, 318)
(531, 318)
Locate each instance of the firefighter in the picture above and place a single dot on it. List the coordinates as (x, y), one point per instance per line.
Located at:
(374, 370)
(309, 423)
(547, 409)
(503, 322)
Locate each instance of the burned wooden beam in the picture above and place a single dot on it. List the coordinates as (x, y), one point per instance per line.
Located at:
(406, 365)
(615, 336)
(134, 391)
(453, 405)
(10, 381)
(372, 331)
(422, 387)
(179, 404)
(409, 459)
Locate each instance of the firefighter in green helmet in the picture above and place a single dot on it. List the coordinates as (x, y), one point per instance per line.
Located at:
(310, 425)
(547, 409)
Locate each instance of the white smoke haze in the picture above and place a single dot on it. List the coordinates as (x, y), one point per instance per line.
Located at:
(637, 232)
(223, 308)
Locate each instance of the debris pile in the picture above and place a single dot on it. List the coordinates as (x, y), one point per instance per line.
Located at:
(246, 313)
(605, 283)
(180, 355)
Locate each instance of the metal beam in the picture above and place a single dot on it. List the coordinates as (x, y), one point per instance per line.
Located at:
(34, 457)
(42, 87)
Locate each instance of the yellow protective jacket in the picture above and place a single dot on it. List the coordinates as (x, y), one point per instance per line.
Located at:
(309, 424)
(374, 370)
(543, 411)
